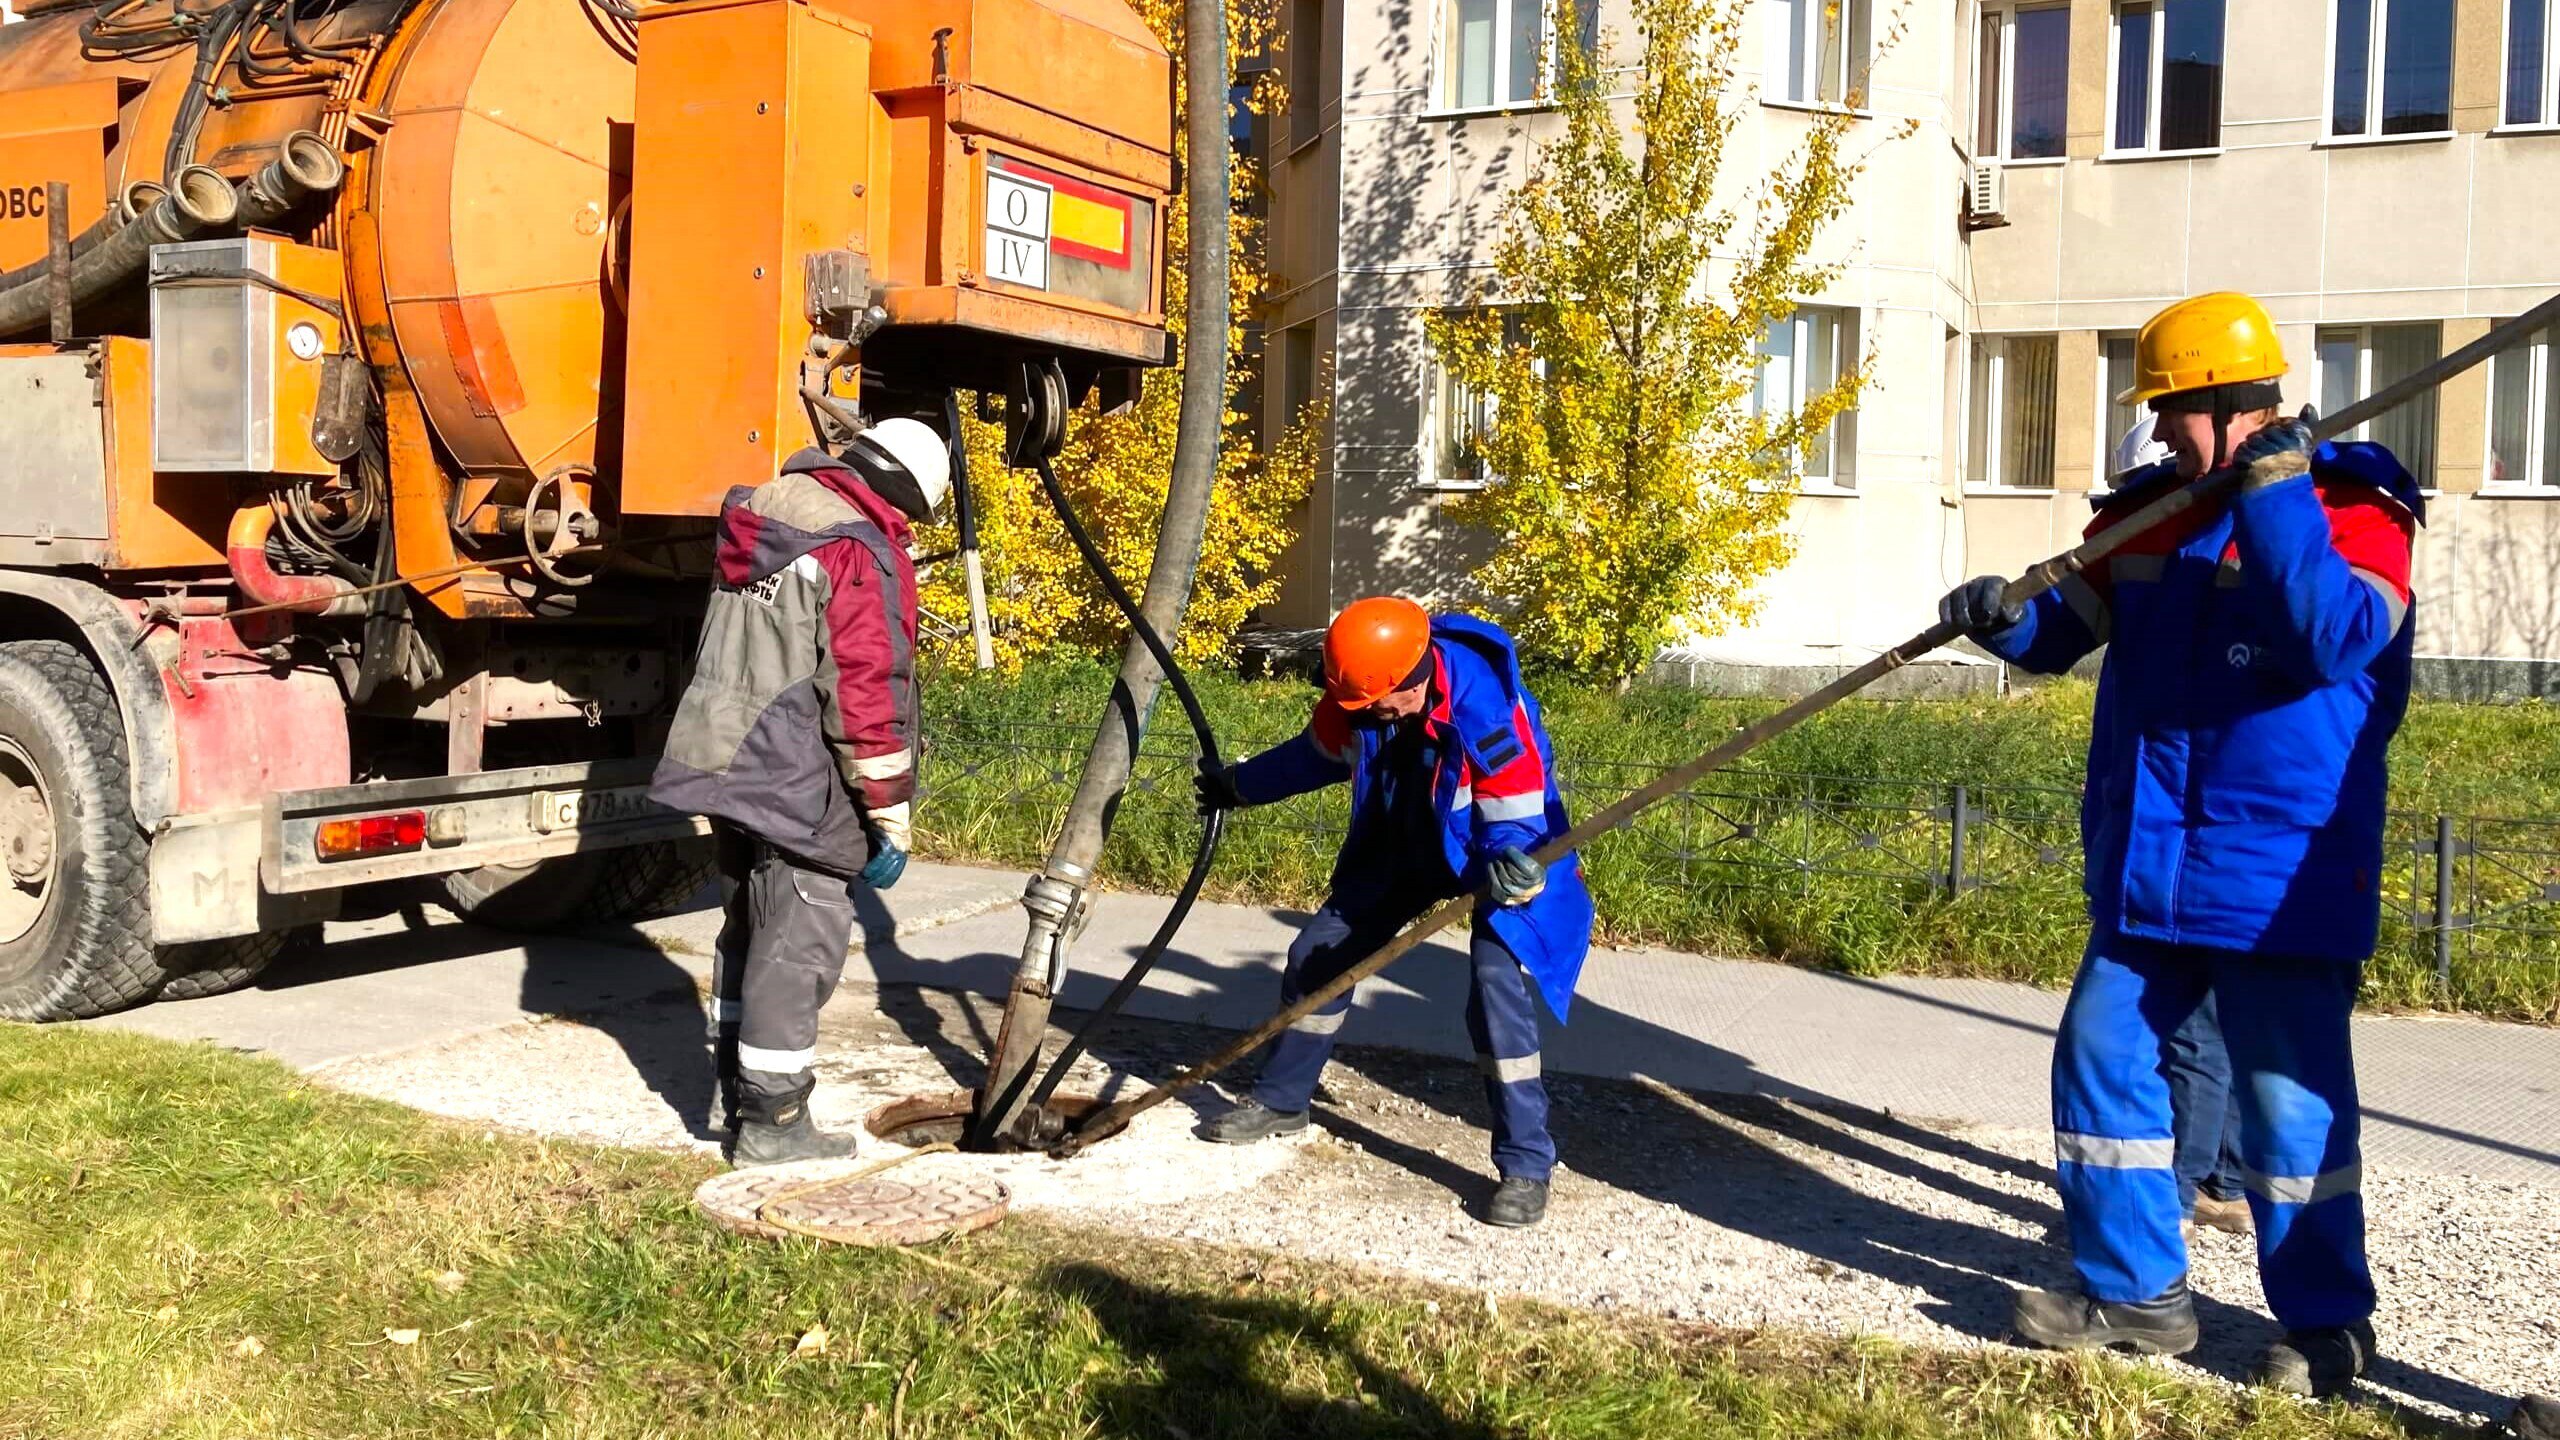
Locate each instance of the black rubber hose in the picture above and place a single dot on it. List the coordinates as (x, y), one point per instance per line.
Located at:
(1211, 832)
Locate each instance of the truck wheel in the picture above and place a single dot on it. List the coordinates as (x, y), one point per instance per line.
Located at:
(75, 898)
(638, 882)
(217, 967)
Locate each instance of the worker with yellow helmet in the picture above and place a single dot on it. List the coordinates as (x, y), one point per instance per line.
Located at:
(2257, 665)
(1452, 791)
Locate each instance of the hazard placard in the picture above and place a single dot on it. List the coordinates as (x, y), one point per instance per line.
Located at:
(1018, 220)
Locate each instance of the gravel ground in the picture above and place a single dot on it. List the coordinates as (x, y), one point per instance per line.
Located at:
(1730, 1210)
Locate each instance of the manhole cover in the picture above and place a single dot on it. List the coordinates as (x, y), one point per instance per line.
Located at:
(897, 1208)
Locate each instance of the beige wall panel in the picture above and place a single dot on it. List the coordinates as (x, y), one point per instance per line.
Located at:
(2515, 202)
(2257, 224)
(2397, 216)
(2273, 52)
(2004, 534)
(2021, 261)
(2479, 63)
(2124, 229)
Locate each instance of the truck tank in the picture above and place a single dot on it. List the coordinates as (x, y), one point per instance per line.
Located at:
(369, 370)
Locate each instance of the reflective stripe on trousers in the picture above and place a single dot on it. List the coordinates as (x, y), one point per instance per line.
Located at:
(2293, 1081)
(784, 932)
(1502, 1021)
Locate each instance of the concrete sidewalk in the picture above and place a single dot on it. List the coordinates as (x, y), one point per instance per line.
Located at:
(2441, 1095)
(2445, 1096)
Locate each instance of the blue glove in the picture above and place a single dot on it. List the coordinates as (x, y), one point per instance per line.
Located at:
(1514, 876)
(888, 861)
(1975, 607)
(2277, 452)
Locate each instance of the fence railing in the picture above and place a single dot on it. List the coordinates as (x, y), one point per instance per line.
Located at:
(2455, 889)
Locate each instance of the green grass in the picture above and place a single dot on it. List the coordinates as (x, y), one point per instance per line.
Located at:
(1003, 755)
(162, 1207)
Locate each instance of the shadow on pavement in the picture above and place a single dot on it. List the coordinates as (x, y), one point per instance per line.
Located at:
(1207, 1378)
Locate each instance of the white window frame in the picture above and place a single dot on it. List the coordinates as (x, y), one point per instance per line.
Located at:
(1995, 418)
(1847, 322)
(2007, 79)
(2363, 333)
(2103, 468)
(1435, 419)
(2377, 66)
(2538, 459)
(1444, 66)
(2157, 96)
(1855, 67)
(2548, 118)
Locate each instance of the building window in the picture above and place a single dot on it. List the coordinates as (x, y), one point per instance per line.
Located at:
(1460, 419)
(2356, 360)
(1498, 51)
(2115, 353)
(2009, 428)
(2533, 81)
(1818, 50)
(2022, 83)
(1306, 71)
(2524, 416)
(2391, 68)
(2167, 75)
(1801, 358)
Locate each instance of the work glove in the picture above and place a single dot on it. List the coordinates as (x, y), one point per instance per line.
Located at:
(1216, 786)
(890, 830)
(2276, 453)
(1975, 605)
(888, 860)
(1514, 876)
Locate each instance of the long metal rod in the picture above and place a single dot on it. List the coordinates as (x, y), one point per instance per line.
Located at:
(1112, 1119)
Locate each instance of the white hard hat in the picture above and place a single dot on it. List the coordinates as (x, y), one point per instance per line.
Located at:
(2139, 449)
(910, 451)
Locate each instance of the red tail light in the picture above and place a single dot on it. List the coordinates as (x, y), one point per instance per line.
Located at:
(371, 835)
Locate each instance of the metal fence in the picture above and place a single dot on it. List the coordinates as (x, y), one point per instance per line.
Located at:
(2455, 889)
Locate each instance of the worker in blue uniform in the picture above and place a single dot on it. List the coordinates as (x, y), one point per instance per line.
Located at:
(2257, 666)
(1452, 790)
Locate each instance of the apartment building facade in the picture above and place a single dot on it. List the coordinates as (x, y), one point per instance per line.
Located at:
(2042, 176)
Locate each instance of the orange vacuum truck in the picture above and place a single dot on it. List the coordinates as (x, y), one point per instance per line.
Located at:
(370, 372)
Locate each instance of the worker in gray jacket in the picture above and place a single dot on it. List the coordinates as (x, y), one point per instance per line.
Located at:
(797, 736)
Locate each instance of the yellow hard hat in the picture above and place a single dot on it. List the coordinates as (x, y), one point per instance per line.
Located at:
(2224, 338)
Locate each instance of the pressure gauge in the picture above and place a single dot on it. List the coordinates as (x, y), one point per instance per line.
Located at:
(303, 339)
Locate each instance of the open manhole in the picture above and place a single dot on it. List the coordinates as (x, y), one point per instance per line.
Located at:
(943, 1119)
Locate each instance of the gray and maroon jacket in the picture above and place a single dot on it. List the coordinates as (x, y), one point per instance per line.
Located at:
(802, 712)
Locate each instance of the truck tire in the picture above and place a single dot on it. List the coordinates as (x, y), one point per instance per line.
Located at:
(638, 882)
(75, 869)
(217, 967)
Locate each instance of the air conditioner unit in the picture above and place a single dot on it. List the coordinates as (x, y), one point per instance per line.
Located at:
(1986, 198)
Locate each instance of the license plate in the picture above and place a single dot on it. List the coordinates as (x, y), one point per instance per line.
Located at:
(557, 810)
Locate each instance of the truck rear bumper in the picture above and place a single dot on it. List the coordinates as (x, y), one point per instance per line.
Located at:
(242, 871)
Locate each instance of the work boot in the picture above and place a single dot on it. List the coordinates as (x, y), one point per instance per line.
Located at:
(1252, 1120)
(2536, 1417)
(777, 1133)
(2070, 1320)
(2230, 1216)
(1517, 1202)
(2316, 1364)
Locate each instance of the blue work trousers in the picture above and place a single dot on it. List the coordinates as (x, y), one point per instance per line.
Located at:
(2202, 1115)
(2284, 1022)
(1502, 1020)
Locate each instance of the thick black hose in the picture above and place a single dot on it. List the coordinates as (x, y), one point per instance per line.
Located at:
(1211, 832)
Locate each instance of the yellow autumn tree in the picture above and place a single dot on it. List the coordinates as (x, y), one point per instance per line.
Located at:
(1115, 468)
(1642, 491)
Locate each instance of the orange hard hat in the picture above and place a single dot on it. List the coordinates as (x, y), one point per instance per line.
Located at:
(1372, 648)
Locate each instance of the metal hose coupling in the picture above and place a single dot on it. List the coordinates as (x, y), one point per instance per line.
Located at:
(305, 166)
(1059, 907)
